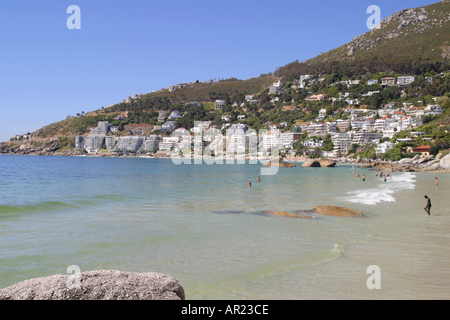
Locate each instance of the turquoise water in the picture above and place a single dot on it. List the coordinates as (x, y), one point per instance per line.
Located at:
(204, 226)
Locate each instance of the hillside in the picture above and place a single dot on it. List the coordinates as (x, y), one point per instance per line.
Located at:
(411, 41)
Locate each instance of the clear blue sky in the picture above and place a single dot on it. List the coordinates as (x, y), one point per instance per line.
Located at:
(124, 47)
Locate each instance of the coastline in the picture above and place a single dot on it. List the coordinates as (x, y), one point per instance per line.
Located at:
(51, 147)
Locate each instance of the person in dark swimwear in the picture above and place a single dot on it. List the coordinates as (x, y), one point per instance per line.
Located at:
(364, 177)
(259, 179)
(428, 207)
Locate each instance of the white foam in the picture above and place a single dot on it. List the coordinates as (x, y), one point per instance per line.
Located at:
(385, 191)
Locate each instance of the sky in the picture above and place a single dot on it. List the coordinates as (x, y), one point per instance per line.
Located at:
(49, 71)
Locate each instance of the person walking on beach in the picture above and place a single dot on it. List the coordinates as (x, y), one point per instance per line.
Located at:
(428, 206)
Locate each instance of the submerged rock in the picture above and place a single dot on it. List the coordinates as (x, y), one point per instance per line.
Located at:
(97, 285)
(337, 211)
(287, 214)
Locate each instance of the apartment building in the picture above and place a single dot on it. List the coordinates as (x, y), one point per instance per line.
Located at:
(220, 104)
(342, 142)
(363, 138)
(168, 143)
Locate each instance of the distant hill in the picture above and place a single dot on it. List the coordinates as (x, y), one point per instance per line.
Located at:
(411, 41)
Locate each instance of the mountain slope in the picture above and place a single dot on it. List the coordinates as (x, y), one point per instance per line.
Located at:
(411, 41)
(407, 42)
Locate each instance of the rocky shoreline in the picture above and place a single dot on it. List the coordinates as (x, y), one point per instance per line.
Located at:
(420, 163)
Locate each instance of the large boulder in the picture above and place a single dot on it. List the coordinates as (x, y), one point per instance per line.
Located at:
(97, 285)
(406, 161)
(326, 163)
(445, 162)
(311, 163)
(337, 211)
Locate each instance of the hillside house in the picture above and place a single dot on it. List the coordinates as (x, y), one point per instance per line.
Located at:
(405, 80)
(387, 82)
(317, 97)
(424, 150)
(175, 115)
(220, 104)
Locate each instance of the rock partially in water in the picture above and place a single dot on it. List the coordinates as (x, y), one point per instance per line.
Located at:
(324, 163)
(311, 163)
(97, 285)
(337, 211)
(288, 214)
(327, 163)
(281, 163)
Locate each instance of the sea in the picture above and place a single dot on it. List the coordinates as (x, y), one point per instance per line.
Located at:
(203, 225)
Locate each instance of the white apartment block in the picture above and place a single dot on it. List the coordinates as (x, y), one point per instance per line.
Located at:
(288, 139)
(342, 142)
(384, 147)
(313, 143)
(362, 138)
(405, 80)
(220, 104)
(316, 129)
(168, 143)
(434, 110)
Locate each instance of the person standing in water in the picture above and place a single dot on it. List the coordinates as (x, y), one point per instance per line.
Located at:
(249, 184)
(364, 177)
(259, 179)
(428, 206)
(437, 182)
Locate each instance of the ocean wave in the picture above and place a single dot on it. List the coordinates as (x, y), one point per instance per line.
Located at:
(31, 208)
(385, 191)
